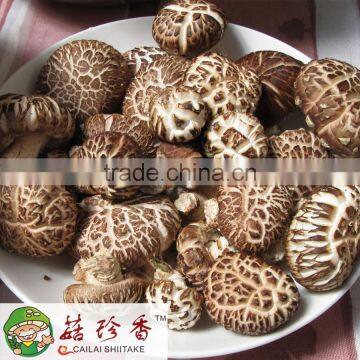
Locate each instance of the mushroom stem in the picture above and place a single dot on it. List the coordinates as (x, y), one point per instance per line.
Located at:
(26, 146)
(100, 269)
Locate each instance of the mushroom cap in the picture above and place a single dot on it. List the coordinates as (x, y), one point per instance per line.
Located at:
(302, 191)
(36, 221)
(297, 144)
(185, 303)
(108, 145)
(166, 72)
(130, 290)
(193, 259)
(140, 58)
(246, 295)
(32, 115)
(188, 27)
(178, 115)
(130, 232)
(234, 135)
(137, 130)
(253, 218)
(86, 76)
(177, 151)
(207, 70)
(323, 240)
(327, 91)
(277, 72)
(233, 95)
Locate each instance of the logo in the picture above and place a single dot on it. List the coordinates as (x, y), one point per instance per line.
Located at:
(28, 332)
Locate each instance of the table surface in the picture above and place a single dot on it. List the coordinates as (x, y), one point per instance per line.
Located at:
(319, 28)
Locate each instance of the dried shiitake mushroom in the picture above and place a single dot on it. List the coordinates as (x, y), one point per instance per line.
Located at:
(86, 76)
(31, 125)
(159, 75)
(36, 221)
(108, 145)
(232, 95)
(246, 295)
(169, 287)
(137, 130)
(327, 91)
(208, 70)
(100, 269)
(141, 57)
(188, 27)
(297, 144)
(198, 247)
(172, 151)
(193, 258)
(177, 151)
(131, 232)
(177, 115)
(324, 236)
(253, 218)
(235, 134)
(102, 281)
(129, 290)
(277, 72)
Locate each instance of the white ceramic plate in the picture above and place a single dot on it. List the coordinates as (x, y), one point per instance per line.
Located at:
(24, 276)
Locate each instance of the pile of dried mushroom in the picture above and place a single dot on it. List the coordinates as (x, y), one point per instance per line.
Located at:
(91, 102)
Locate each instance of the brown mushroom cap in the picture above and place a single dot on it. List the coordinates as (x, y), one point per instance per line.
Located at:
(36, 220)
(177, 115)
(30, 125)
(324, 236)
(233, 95)
(169, 287)
(246, 295)
(253, 218)
(327, 91)
(166, 72)
(137, 130)
(177, 151)
(108, 145)
(86, 76)
(131, 232)
(188, 27)
(297, 144)
(130, 290)
(207, 70)
(235, 134)
(277, 72)
(193, 259)
(141, 57)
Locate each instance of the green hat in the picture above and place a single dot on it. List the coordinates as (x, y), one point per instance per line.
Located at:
(26, 316)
